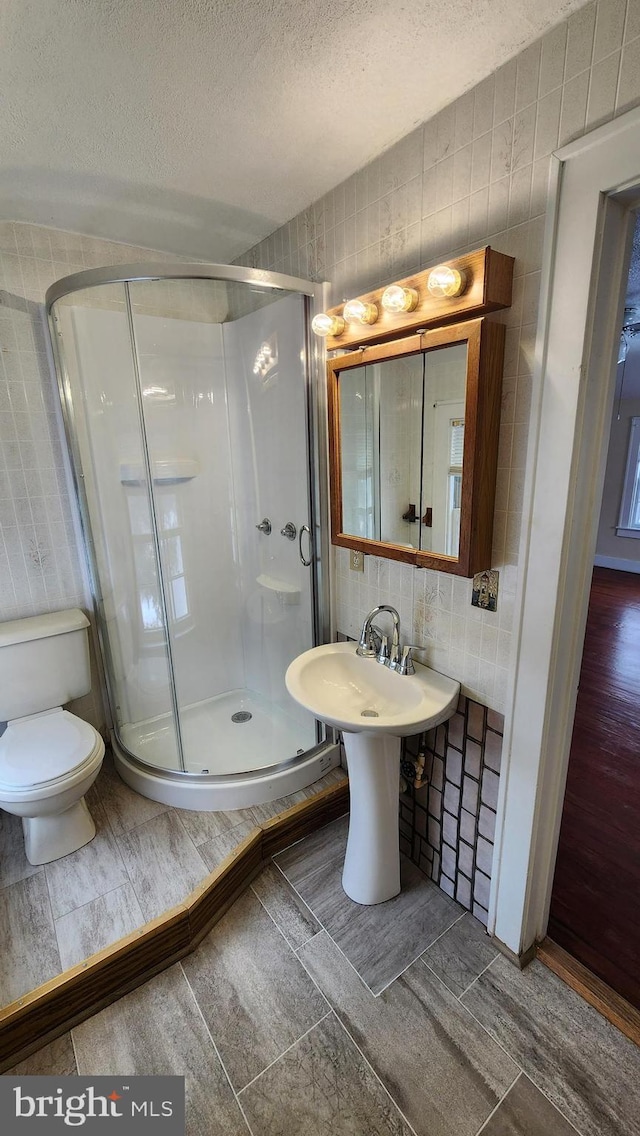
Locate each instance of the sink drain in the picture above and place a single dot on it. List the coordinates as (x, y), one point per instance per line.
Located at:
(241, 716)
(369, 714)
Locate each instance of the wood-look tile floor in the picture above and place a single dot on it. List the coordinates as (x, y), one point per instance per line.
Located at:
(277, 1034)
(144, 858)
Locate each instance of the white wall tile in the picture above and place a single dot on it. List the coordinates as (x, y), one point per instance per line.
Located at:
(486, 162)
(501, 148)
(580, 35)
(629, 72)
(481, 162)
(632, 26)
(464, 114)
(527, 77)
(574, 108)
(498, 211)
(484, 105)
(445, 137)
(547, 124)
(505, 91)
(524, 130)
(610, 21)
(520, 197)
(603, 89)
(552, 61)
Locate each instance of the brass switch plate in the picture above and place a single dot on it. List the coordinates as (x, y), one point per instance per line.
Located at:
(356, 560)
(485, 590)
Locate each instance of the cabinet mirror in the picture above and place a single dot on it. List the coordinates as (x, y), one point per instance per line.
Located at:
(414, 433)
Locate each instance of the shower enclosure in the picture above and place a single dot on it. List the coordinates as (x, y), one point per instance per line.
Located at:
(194, 417)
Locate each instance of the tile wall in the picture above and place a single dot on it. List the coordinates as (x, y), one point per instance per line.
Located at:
(447, 826)
(475, 174)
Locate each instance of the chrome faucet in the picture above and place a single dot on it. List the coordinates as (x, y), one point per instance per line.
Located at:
(374, 645)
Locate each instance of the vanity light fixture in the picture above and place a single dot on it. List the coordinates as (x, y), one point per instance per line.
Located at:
(396, 299)
(446, 282)
(324, 325)
(360, 312)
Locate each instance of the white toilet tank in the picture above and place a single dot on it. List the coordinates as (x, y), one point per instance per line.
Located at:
(44, 662)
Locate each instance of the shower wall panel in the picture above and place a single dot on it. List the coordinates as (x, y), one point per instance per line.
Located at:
(182, 377)
(97, 351)
(269, 451)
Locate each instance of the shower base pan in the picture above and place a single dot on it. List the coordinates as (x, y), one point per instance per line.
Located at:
(216, 742)
(239, 749)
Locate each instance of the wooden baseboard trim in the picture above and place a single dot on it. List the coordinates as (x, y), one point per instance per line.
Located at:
(78, 993)
(612, 1006)
(522, 960)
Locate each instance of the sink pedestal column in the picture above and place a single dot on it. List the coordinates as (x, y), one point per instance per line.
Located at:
(372, 863)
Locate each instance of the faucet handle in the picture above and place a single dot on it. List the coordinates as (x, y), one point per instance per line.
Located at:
(384, 655)
(370, 642)
(404, 665)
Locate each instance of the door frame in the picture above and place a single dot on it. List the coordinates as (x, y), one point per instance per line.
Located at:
(594, 184)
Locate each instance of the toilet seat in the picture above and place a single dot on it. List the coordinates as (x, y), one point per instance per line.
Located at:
(43, 750)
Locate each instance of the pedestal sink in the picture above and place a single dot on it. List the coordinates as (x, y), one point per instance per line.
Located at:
(375, 708)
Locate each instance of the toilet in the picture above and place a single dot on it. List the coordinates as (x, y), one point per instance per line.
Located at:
(49, 758)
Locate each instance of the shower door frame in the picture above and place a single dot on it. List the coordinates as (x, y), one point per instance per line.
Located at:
(316, 298)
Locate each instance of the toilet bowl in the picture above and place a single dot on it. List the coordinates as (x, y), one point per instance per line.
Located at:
(49, 758)
(48, 762)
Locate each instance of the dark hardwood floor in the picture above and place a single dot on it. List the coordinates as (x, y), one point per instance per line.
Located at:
(595, 907)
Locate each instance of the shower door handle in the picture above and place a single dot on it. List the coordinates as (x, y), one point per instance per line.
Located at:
(305, 529)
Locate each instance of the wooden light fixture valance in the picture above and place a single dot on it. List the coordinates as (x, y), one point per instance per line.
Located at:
(488, 279)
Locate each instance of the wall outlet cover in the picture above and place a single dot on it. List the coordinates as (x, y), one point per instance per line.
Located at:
(356, 560)
(485, 590)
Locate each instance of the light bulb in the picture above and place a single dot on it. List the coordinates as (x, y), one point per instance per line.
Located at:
(397, 299)
(445, 281)
(324, 324)
(360, 312)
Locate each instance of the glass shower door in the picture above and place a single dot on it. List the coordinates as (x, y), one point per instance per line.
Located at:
(100, 399)
(222, 389)
(267, 389)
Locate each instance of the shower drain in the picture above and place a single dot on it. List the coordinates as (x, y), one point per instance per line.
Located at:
(369, 714)
(241, 716)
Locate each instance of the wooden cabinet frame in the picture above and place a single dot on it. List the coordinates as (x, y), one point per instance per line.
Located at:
(485, 352)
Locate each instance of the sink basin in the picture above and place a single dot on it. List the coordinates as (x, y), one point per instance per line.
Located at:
(374, 707)
(360, 695)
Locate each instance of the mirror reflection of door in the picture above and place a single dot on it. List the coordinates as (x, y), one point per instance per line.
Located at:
(402, 440)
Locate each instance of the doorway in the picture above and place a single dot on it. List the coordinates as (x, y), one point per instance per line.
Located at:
(592, 202)
(595, 901)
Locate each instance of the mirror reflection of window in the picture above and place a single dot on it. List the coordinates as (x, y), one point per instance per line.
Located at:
(454, 486)
(629, 522)
(443, 438)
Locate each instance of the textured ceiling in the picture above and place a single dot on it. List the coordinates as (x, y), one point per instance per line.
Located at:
(199, 126)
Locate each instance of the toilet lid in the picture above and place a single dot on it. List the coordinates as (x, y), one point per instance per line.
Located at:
(43, 748)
